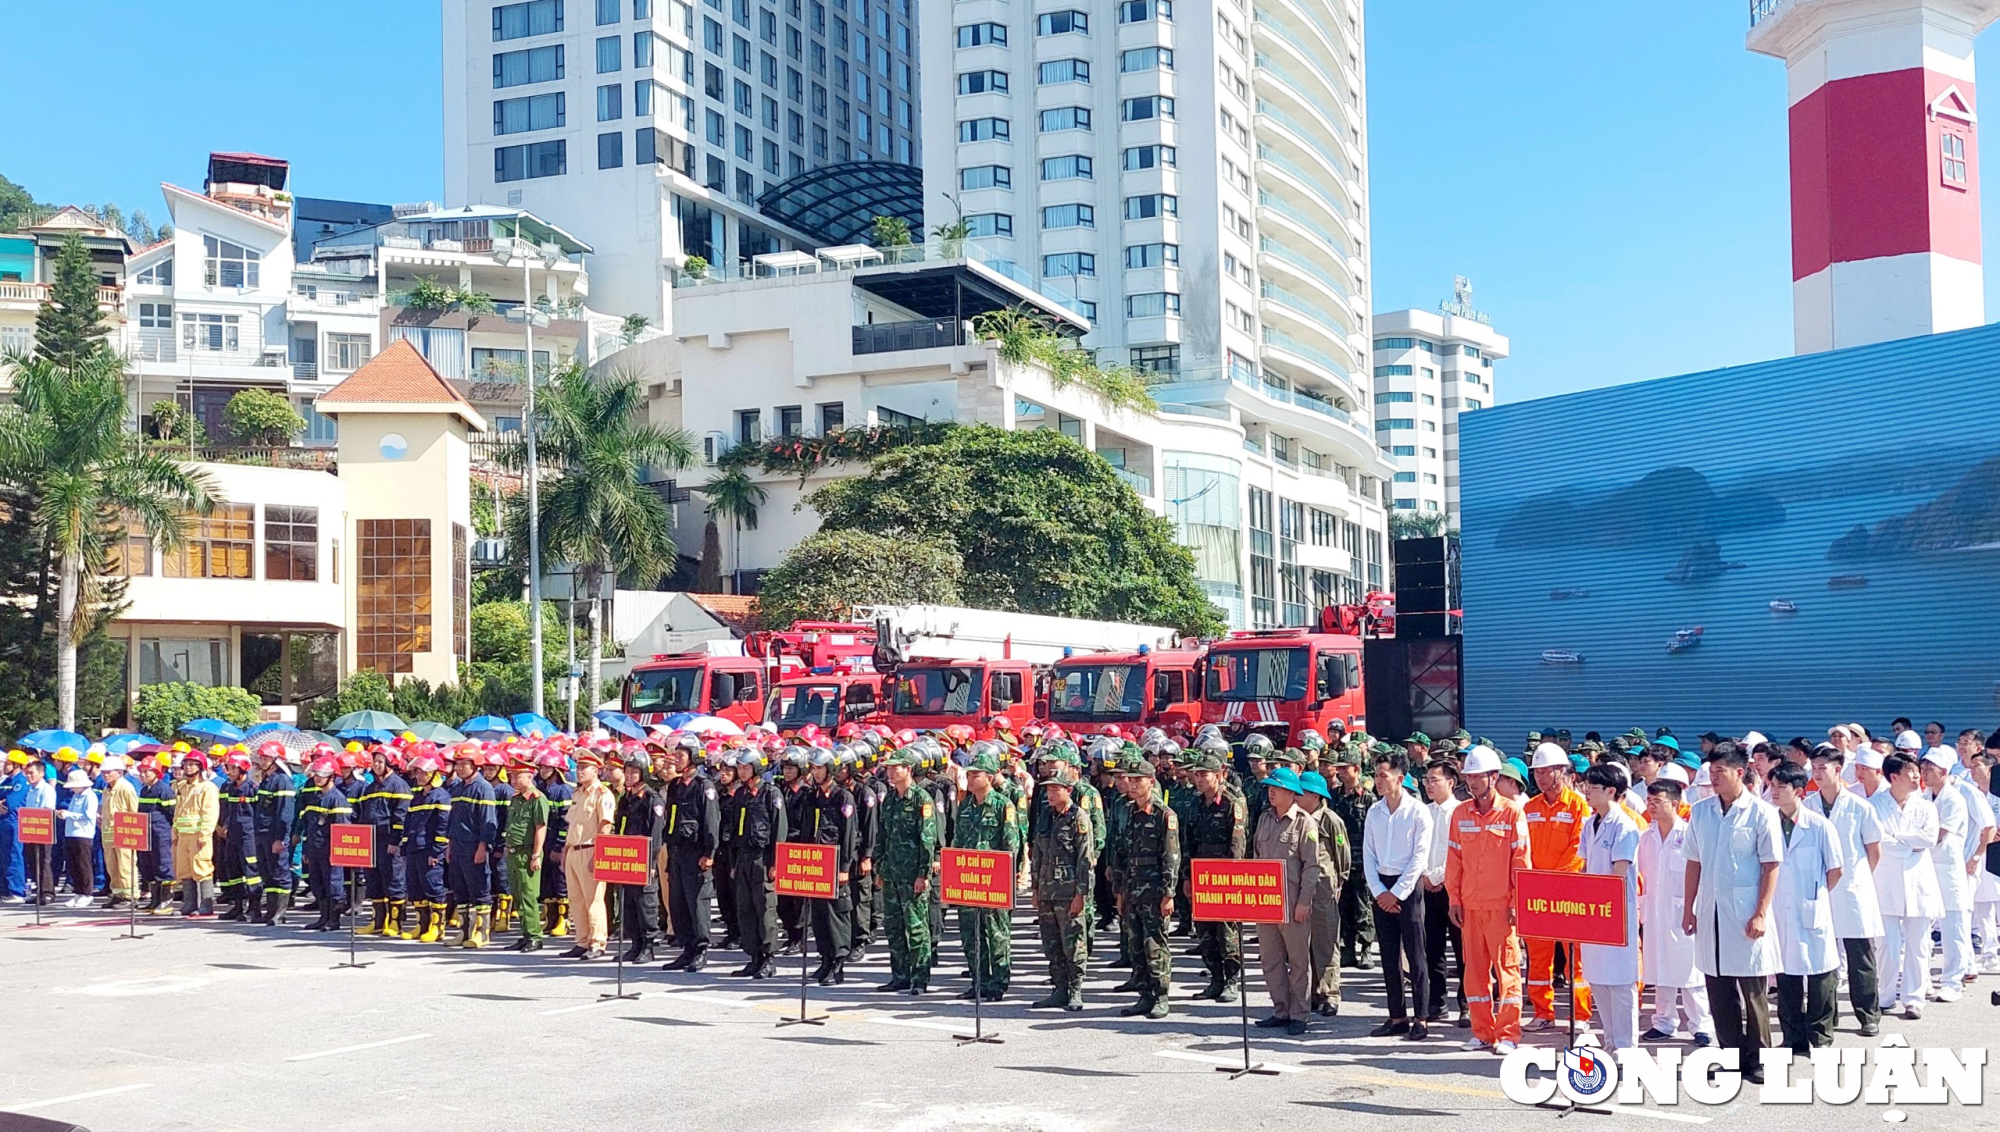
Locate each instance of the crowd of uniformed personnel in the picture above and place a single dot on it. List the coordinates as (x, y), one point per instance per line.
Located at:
(478, 838)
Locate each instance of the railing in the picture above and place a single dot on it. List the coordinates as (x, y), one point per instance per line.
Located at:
(1179, 410)
(1761, 10)
(1305, 132)
(993, 256)
(1292, 259)
(1263, 62)
(309, 459)
(305, 371)
(152, 350)
(917, 334)
(39, 293)
(1278, 339)
(1298, 302)
(1141, 484)
(1266, 153)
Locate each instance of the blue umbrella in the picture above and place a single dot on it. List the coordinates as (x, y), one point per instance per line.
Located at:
(125, 741)
(269, 725)
(487, 726)
(371, 734)
(679, 719)
(535, 726)
(216, 729)
(51, 740)
(620, 722)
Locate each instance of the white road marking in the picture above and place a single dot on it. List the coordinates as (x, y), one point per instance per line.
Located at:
(362, 1046)
(596, 1004)
(76, 1097)
(1213, 1059)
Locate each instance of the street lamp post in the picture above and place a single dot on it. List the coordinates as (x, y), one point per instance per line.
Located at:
(528, 314)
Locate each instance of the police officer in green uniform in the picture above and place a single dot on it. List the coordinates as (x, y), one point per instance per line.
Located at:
(525, 837)
(906, 853)
(1218, 827)
(1150, 864)
(1351, 799)
(986, 820)
(1065, 862)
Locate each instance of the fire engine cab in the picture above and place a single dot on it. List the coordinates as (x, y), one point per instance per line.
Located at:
(1150, 687)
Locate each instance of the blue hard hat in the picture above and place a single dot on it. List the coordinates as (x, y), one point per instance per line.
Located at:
(1284, 778)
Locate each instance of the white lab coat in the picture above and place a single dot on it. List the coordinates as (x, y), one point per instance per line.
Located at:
(1803, 907)
(1948, 853)
(1906, 882)
(1606, 841)
(1669, 952)
(1857, 911)
(1732, 846)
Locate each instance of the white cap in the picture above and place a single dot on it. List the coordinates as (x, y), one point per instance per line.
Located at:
(77, 780)
(1751, 740)
(600, 733)
(1868, 757)
(1481, 760)
(1942, 756)
(114, 762)
(1548, 754)
(1674, 772)
(1701, 776)
(1909, 741)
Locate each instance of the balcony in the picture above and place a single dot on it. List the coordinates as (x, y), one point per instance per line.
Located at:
(1761, 10)
(305, 371)
(35, 294)
(916, 334)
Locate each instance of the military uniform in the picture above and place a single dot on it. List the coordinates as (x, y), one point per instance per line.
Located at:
(756, 820)
(527, 815)
(496, 853)
(908, 854)
(723, 865)
(992, 824)
(692, 834)
(1150, 858)
(861, 883)
(641, 813)
(1218, 829)
(1064, 860)
(1357, 921)
(792, 909)
(555, 878)
(829, 820)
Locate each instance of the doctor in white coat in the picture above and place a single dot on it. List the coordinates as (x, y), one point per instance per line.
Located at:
(1611, 848)
(1733, 848)
(1857, 912)
(1948, 857)
(1907, 884)
(1808, 948)
(1668, 955)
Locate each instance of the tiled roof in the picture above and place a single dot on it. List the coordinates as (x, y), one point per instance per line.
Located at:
(734, 610)
(398, 375)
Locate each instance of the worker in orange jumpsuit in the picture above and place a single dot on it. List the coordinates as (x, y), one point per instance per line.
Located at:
(1555, 837)
(1487, 844)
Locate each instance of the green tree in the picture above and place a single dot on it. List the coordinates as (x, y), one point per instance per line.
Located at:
(1041, 524)
(163, 709)
(65, 437)
(1409, 524)
(734, 496)
(598, 509)
(261, 417)
(890, 232)
(633, 326)
(708, 568)
(829, 573)
(69, 327)
(18, 207)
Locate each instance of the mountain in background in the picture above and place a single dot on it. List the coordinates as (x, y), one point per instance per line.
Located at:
(1669, 509)
(1965, 514)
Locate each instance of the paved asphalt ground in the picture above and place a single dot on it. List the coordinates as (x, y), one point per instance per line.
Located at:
(220, 1026)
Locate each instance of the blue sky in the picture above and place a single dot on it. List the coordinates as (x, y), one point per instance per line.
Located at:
(1611, 176)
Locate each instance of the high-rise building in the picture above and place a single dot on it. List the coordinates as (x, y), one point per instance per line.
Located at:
(1430, 367)
(1885, 164)
(654, 128)
(1192, 179)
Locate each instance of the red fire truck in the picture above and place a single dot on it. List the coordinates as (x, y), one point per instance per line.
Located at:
(1150, 688)
(1282, 681)
(721, 680)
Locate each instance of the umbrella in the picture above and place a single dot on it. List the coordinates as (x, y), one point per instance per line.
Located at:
(46, 741)
(124, 742)
(215, 729)
(487, 726)
(679, 720)
(435, 732)
(620, 722)
(534, 726)
(371, 734)
(711, 725)
(322, 737)
(368, 721)
(293, 740)
(268, 725)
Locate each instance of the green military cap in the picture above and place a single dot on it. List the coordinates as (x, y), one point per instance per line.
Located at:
(985, 761)
(1210, 762)
(904, 758)
(1562, 733)
(1134, 766)
(1378, 747)
(1636, 734)
(1288, 756)
(1462, 737)
(1534, 737)
(1418, 737)
(1131, 750)
(1590, 747)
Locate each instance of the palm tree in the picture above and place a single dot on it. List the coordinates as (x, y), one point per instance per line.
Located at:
(64, 438)
(598, 509)
(733, 495)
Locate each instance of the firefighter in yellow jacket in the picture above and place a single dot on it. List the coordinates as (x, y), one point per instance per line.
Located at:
(197, 807)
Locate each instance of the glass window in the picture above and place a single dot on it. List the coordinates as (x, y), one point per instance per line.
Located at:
(610, 103)
(1061, 23)
(1152, 255)
(1064, 71)
(1395, 343)
(535, 112)
(1146, 59)
(986, 177)
(217, 332)
(1151, 157)
(989, 224)
(536, 159)
(228, 265)
(1152, 305)
(1157, 359)
(346, 353)
(184, 660)
(984, 129)
(832, 417)
(607, 12)
(1392, 371)
(1394, 398)
(645, 49)
(1150, 205)
(610, 150)
(1139, 11)
(537, 17)
(1147, 108)
(158, 316)
(975, 35)
(393, 603)
(1074, 167)
(1069, 263)
(1069, 216)
(291, 543)
(530, 65)
(610, 54)
(982, 82)
(1064, 118)
(219, 545)
(937, 690)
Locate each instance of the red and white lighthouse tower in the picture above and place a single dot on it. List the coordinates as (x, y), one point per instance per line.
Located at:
(1885, 169)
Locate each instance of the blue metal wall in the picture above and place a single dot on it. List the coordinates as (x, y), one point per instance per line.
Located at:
(1861, 485)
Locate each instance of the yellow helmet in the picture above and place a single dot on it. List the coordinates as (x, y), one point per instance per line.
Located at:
(66, 755)
(18, 757)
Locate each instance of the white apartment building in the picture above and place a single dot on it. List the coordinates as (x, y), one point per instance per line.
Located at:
(1430, 366)
(654, 128)
(1193, 178)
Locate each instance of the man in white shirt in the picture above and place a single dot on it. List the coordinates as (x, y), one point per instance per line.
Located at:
(1857, 912)
(1395, 851)
(1949, 858)
(1440, 934)
(1611, 848)
(1733, 849)
(1907, 884)
(1667, 959)
(1810, 981)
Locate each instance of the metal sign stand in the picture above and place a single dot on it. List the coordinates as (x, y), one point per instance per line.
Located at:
(351, 961)
(621, 992)
(1243, 1015)
(805, 1017)
(132, 929)
(978, 1034)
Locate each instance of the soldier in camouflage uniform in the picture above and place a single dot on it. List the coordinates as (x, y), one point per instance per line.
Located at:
(1171, 771)
(907, 853)
(1150, 859)
(986, 820)
(1065, 862)
(1218, 827)
(1351, 799)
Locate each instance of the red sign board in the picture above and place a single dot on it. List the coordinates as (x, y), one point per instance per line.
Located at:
(1242, 892)
(128, 831)
(352, 846)
(1571, 907)
(620, 860)
(808, 870)
(37, 827)
(976, 878)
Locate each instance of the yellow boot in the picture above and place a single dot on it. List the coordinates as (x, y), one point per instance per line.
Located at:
(392, 927)
(556, 914)
(502, 908)
(373, 926)
(431, 918)
(478, 921)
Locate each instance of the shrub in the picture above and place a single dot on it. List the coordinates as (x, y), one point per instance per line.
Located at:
(263, 418)
(162, 709)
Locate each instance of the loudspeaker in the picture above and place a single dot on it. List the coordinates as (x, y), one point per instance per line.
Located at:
(1413, 685)
(1419, 575)
(1413, 550)
(1426, 626)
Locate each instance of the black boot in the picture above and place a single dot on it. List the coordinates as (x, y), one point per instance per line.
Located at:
(235, 911)
(700, 960)
(749, 970)
(274, 907)
(768, 969)
(820, 972)
(835, 975)
(679, 962)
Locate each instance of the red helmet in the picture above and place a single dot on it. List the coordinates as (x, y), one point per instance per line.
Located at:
(905, 737)
(809, 732)
(494, 757)
(270, 749)
(554, 759)
(848, 730)
(426, 763)
(959, 733)
(322, 768)
(1113, 730)
(999, 721)
(237, 759)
